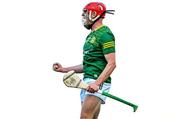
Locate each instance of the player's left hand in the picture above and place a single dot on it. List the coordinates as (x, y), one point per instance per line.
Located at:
(92, 88)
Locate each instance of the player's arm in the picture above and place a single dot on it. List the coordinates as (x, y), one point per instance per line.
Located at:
(111, 65)
(93, 87)
(58, 68)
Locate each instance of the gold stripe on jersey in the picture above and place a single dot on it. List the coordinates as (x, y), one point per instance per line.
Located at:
(108, 44)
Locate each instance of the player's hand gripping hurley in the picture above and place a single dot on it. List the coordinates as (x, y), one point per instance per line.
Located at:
(70, 79)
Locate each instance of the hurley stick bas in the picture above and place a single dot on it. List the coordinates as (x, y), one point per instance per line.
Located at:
(72, 80)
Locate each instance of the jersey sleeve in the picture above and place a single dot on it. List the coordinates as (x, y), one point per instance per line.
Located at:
(108, 43)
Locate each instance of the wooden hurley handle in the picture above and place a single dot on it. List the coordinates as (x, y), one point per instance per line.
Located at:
(71, 79)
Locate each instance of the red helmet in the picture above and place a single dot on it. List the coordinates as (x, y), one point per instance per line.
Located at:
(92, 12)
(97, 7)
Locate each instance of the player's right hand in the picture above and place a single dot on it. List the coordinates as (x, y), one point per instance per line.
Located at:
(57, 67)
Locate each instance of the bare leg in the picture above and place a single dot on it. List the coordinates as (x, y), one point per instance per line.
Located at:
(97, 110)
(90, 107)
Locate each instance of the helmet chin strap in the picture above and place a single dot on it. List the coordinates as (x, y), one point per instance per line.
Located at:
(94, 20)
(87, 23)
(88, 26)
(91, 21)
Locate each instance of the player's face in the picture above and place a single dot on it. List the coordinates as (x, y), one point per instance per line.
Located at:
(85, 19)
(84, 16)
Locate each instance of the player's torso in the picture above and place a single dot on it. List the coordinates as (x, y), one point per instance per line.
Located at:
(93, 58)
(92, 49)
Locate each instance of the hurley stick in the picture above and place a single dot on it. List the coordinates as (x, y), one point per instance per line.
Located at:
(71, 79)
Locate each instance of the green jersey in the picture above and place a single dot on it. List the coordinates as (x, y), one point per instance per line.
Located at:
(98, 43)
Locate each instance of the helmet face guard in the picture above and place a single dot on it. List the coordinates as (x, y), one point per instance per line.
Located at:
(93, 12)
(85, 20)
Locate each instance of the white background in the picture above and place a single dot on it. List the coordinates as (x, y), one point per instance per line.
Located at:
(36, 33)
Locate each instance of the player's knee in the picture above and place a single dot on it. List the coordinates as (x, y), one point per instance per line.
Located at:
(85, 116)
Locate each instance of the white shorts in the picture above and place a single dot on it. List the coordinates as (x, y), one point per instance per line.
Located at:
(104, 87)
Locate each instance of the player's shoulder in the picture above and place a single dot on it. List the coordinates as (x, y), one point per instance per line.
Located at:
(103, 31)
(107, 32)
